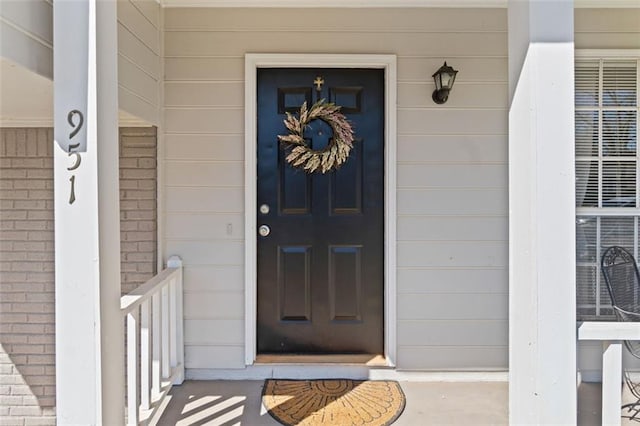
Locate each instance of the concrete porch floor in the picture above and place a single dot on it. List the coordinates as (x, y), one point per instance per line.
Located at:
(428, 403)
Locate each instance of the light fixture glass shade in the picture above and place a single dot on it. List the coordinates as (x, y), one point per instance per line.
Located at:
(445, 79)
(437, 78)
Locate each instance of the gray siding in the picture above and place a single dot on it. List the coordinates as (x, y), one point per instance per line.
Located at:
(452, 171)
(607, 28)
(139, 58)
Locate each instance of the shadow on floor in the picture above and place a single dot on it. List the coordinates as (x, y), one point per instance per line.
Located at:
(216, 403)
(227, 403)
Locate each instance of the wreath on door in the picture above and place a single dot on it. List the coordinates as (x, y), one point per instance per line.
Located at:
(302, 156)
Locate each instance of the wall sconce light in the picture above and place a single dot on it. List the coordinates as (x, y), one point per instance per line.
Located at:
(444, 79)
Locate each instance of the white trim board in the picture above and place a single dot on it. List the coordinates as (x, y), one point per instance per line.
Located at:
(335, 3)
(296, 371)
(26, 122)
(609, 4)
(252, 63)
(607, 53)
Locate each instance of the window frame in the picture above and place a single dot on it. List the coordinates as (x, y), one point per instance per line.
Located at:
(599, 212)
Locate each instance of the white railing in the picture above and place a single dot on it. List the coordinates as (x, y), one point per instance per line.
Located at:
(611, 334)
(155, 345)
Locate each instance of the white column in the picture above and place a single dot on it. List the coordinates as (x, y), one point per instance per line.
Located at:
(542, 309)
(611, 382)
(89, 328)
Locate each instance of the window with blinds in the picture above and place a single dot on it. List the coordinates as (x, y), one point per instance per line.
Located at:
(607, 173)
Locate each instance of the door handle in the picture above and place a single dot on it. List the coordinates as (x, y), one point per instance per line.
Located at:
(264, 230)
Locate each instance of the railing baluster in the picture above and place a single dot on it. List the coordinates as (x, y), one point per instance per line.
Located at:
(166, 315)
(145, 355)
(132, 367)
(156, 338)
(154, 310)
(180, 329)
(173, 353)
(177, 326)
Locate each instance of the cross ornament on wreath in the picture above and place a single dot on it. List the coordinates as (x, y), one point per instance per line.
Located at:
(302, 156)
(318, 82)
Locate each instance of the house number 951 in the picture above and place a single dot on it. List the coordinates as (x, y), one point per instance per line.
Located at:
(76, 128)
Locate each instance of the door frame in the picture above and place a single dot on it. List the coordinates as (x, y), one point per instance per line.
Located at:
(253, 61)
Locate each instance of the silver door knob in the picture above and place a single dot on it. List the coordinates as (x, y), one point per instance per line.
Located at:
(264, 230)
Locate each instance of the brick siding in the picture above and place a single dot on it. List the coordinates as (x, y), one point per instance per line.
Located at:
(137, 206)
(27, 328)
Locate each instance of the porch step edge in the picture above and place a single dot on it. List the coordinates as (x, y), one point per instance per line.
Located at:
(355, 372)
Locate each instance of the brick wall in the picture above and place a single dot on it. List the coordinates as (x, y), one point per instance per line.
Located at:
(137, 206)
(27, 329)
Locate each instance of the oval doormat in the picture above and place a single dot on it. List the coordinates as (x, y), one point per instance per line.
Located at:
(333, 402)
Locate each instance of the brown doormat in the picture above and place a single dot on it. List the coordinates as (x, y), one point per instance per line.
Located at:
(336, 402)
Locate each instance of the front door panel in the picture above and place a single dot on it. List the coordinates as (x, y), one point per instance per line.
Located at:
(321, 266)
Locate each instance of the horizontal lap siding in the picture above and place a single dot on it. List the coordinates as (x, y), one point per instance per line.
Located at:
(139, 51)
(604, 29)
(607, 28)
(452, 171)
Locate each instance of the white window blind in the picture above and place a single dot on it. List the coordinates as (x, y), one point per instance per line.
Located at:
(607, 173)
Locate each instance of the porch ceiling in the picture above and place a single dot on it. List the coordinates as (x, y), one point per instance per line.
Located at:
(26, 99)
(382, 3)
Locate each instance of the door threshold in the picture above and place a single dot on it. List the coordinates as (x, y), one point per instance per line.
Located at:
(369, 360)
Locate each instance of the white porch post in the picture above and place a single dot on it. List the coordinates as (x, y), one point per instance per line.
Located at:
(89, 330)
(542, 308)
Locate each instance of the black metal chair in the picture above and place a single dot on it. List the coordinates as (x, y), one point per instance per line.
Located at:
(623, 283)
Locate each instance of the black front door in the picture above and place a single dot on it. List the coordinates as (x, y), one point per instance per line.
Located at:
(321, 267)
